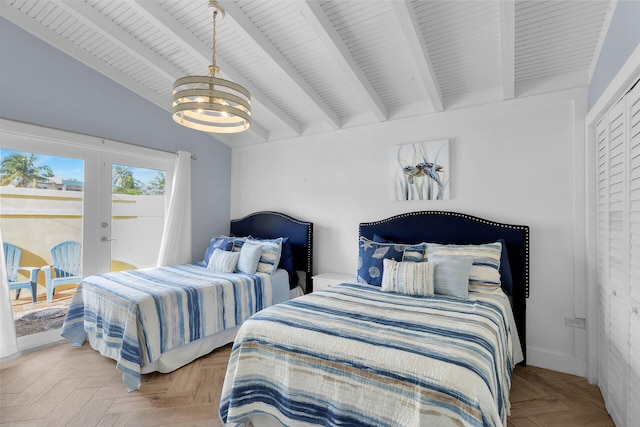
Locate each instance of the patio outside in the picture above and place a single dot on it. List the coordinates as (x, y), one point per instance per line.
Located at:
(40, 210)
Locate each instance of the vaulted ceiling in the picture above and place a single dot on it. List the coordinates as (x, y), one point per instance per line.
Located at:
(315, 66)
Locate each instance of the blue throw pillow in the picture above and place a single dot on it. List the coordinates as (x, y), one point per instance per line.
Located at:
(451, 275)
(370, 259)
(249, 257)
(224, 243)
(412, 252)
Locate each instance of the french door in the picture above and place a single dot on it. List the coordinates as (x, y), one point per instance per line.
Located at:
(132, 210)
(119, 207)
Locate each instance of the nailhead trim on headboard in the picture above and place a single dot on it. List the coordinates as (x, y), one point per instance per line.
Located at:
(309, 242)
(473, 218)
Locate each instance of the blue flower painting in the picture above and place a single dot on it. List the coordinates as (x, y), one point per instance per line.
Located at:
(421, 171)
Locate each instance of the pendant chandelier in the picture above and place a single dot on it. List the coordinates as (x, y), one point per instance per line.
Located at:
(209, 103)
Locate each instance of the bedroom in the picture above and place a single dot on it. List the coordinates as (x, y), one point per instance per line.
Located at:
(543, 168)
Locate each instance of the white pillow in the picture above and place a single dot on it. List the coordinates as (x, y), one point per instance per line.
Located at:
(223, 261)
(408, 277)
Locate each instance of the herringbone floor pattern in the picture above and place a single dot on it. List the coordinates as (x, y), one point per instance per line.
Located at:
(66, 386)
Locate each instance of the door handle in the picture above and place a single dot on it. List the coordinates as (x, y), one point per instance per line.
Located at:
(105, 239)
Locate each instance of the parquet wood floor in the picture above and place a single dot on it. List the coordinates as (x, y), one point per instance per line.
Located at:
(67, 386)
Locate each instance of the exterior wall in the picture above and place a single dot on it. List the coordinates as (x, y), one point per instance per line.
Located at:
(517, 162)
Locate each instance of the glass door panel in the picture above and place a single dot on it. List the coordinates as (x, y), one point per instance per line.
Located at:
(137, 216)
(41, 206)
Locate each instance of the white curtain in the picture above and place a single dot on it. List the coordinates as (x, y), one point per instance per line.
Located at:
(175, 247)
(8, 342)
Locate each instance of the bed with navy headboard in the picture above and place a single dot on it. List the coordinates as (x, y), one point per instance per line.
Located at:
(411, 355)
(270, 225)
(459, 228)
(160, 319)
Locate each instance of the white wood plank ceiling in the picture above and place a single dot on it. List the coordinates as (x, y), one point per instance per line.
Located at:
(316, 66)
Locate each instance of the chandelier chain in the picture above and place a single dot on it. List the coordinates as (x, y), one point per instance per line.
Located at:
(213, 57)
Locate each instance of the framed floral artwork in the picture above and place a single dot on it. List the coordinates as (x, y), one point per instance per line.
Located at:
(421, 171)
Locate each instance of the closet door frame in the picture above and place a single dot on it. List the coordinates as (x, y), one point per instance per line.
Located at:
(622, 82)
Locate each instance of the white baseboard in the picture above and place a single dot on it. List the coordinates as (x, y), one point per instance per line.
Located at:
(38, 341)
(556, 362)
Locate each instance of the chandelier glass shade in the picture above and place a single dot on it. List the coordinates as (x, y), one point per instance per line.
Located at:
(210, 103)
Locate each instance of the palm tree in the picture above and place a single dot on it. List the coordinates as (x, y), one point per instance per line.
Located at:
(124, 182)
(21, 169)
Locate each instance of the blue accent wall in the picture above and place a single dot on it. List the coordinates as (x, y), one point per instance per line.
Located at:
(44, 86)
(621, 40)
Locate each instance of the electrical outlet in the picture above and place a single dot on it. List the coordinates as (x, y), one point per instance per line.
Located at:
(574, 322)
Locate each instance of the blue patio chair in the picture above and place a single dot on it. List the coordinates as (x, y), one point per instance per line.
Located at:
(66, 263)
(12, 256)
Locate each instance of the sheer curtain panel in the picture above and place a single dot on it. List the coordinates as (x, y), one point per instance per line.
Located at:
(175, 247)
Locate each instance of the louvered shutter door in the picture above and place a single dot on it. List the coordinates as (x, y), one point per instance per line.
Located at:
(634, 192)
(634, 255)
(634, 375)
(618, 258)
(617, 375)
(602, 141)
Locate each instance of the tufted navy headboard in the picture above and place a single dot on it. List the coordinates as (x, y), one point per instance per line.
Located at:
(458, 228)
(271, 225)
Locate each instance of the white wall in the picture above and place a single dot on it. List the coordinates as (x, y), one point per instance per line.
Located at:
(518, 162)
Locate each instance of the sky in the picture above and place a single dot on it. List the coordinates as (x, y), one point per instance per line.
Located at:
(66, 167)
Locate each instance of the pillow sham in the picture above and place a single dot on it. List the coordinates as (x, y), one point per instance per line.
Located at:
(370, 259)
(414, 253)
(485, 271)
(270, 256)
(451, 275)
(238, 242)
(409, 277)
(223, 261)
(250, 253)
(224, 243)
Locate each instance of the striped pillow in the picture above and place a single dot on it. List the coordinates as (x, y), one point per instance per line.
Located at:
(270, 257)
(409, 278)
(414, 253)
(451, 275)
(485, 271)
(223, 261)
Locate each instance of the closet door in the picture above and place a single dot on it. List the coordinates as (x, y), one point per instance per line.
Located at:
(617, 280)
(634, 254)
(602, 135)
(618, 258)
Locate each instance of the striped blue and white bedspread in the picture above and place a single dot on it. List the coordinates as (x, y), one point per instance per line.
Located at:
(353, 355)
(135, 316)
